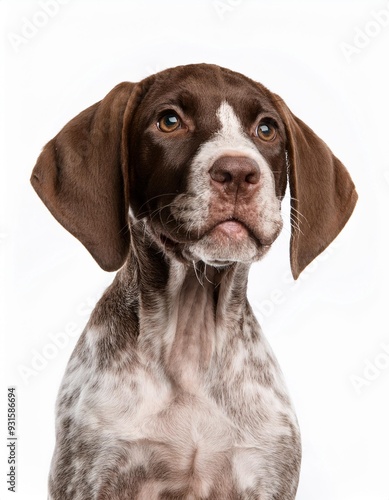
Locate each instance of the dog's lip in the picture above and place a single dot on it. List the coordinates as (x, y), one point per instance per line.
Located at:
(237, 230)
(232, 228)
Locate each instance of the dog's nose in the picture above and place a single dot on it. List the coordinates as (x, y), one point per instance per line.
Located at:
(233, 173)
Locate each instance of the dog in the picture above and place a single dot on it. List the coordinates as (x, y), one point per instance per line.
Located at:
(172, 391)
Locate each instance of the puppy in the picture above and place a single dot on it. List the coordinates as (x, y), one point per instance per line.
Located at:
(172, 391)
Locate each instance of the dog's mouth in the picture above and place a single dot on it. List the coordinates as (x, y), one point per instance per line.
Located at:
(221, 243)
(231, 230)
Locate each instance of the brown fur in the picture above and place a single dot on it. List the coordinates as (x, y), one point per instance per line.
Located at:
(172, 391)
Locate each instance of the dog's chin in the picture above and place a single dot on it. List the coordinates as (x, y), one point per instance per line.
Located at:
(225, 244)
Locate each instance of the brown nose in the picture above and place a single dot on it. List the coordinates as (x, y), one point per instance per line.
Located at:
(233, 173)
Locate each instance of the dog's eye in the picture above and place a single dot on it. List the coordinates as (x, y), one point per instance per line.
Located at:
(169, 122)
(266, 131)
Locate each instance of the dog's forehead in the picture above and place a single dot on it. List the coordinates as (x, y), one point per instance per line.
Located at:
(202, 89)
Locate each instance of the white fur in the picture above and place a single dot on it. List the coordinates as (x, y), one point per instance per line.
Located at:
(230, 140)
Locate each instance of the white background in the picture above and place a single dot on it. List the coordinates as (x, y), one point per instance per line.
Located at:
(329, 329)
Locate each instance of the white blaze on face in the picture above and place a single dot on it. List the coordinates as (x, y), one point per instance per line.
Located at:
(230, 140)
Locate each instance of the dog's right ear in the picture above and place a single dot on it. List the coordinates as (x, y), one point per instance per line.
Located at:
(82, 176)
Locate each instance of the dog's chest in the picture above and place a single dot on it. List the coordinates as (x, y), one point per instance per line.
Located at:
(195, 405)
(203, 419)
(188, 437)
(196, 424)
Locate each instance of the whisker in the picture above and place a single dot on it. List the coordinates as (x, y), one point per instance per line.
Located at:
(298, 213)
(296, 226)
(205, 274)
(158, 209)
(155, 197)
(196, 274)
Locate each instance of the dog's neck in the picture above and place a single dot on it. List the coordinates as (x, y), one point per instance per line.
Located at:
(185, 310)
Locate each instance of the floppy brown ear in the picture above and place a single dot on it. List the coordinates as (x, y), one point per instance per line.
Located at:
(323, 195)
(81, 176)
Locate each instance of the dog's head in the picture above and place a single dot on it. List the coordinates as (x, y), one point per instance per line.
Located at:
(202, 155)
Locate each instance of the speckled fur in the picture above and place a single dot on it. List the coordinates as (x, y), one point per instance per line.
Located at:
(172, 392)
(174, 404)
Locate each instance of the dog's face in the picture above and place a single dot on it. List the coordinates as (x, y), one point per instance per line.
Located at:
(199, 154)
(208, 166)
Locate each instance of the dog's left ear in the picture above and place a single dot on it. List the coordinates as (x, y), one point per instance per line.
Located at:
(322, 193)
